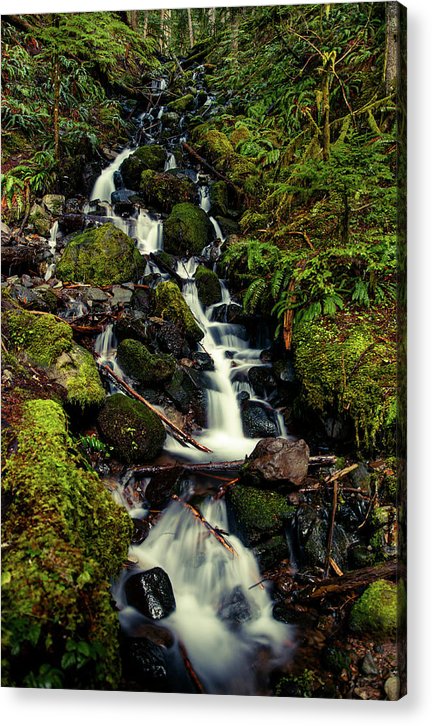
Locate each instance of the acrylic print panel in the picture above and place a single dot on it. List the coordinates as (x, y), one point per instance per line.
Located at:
(203, 271)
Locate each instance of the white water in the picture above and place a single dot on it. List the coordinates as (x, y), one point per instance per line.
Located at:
(170, 162)
(104, 185)
(52, 244)
(205, 575)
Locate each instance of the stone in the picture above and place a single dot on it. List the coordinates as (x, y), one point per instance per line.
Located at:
(234, 607)
(258, 419)
(369, 666)
(277, 459)
(144, 665)
(145, 367)
(256, 515)
(151, 593)
(392, 688)
(95, 294)
(151, 157)
(187, 230)
(379, 610)
(163, 191)
(171, 306)
(121, 296)
(54, 203)
(40, 220)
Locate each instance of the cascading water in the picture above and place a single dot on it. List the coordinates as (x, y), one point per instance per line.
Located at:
(223, 617)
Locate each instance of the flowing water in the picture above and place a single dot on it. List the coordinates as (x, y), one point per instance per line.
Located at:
(223, 617)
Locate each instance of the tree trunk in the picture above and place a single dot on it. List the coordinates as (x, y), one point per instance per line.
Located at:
(326, 115)
(234, 34)
(212, 20)
(56, 106)
(145, 27)
(132, 16)
(191, 31)
(162, 31)
(392, 60)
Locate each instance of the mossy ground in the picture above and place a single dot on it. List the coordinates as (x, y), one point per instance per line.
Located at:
(101, 256)
(64, 539)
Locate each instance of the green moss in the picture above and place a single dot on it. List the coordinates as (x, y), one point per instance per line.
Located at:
(170, 305)
(77, 372)
(40, 220)
(137, 361)
(346, 368)
(131, 428)
(380, 610)
(187, 230)
(65, 540)
(219, 198)
(258, 513)
(240, 134)
(41, 338)
(182, 104)
(216, 147)
(145, 157)
(208, 286)
(163, 191)
(101, 256)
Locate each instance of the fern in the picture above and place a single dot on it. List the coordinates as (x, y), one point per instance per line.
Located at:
(255, 295)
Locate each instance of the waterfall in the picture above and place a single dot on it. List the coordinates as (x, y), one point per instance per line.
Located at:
(170, 162)
(222, 617)
(104, 185)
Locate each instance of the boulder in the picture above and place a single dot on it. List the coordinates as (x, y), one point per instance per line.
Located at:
(40, 220)
(164, 191)
(171, 306)
(187, 394)
(72, 222)
(76, 371)
(100, 256)
(262, 380)
(54, 203)
(151, 593)
(277, 459)
(147, 368)
(234, 607)
(310, 529)
(144, 665)
(145, 157)
(208, 286)
(170, 339)
(258, 419)
(257, 515)
(187, 230)
(134, 431)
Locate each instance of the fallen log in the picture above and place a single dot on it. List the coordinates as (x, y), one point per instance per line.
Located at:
(190, 669)
(216, 533)
(176, 432)
(219, 466)
(350, 581)
(205, 163)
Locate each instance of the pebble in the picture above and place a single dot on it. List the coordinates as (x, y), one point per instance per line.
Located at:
(369, 666)
(392, 688)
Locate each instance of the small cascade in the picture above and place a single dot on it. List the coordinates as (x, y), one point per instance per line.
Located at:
(106, 350)
(148, 233)
(52, 245)
(222, 618)
(170, 162)
(104, 185)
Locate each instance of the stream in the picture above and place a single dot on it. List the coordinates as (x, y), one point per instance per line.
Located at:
(223, 616)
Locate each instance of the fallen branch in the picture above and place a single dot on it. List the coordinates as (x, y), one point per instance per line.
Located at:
(331, 528)
(176, 432)
(350, 581)
(216, 533)
(305, 237)
(339, 474)
(190, 669)
(210, 466)
(224, 488)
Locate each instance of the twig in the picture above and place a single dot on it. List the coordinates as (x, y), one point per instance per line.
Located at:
(220, 538)
(331, 528)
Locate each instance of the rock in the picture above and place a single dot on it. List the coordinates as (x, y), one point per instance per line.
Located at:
(277, 459)
(170, 339)
(369, 666)
(262, 380)
(54, 203)
(144, 665)
(69, 223)
(131, 428)
(94, 294)
(100, 256)
(170, 119)
(234, 607)
(136, 361)
(151, 593)
(182, 104)
(360, 478)
(218, 199)
(384, 538)
(27, 281)
(187, 230)
(311, 534)
(40, 220)
(28, 298)
(379, 610)
(76, 371)
(258, 419)
(145, 157)
(203, 361)
(187, 394)
(120, 296)
(132, 325)
(171, 306)
(392, 688)
(271, 552)
(141, 531)
(256, 515)
(208, 286)
(164, 191)
(5, 230)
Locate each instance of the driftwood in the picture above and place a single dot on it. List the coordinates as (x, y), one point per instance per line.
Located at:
(349, 581)
(176, 432)
(215, 532)
(205, 163)
(190, 669)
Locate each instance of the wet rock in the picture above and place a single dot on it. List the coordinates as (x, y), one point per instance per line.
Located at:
(170, 339)
(255, 514)
(144, 665)
(369, 666)
(40, 220)
(187, 393)
(120, 295)
(17, 259)
(271, 552)
(228, 313)
(140, 532)
(54, 203)
(257, 419)
(310, 527)
(360, 478)
(161, 487)
(208, 286)
(171, 306)
(151, 593)
(145, 367)
(28, 298)
(132, 324)
(277, 459)
(143, 300)
(74, 222)
(145, 157)
(392, 688)
(187, 230)
(74, 205)
(262, 380)
(203, 361)
(131, 428)
(234, 607)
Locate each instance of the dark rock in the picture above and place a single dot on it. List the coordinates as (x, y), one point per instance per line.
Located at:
(271, 552)
(75, 222)
(151, 593)
(161, 487)
(132, 325)
(163, 191)
(187, 230)
(369, 666)
(143, 300)
(144, 665)
(28, 298)
(74, 205)
(262, 380)
(145, 157)
(234, 607)
(258, 419)
(187, 393)
(277, 459)
(310, 528)
(170, 339)
(141, 531)
(203, 361)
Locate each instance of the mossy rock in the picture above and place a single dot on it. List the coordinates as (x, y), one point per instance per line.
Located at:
(101, 256)
(218, 193)
(216, 147)
(380, 610)
(240, 134)
(46, 342)
(67, 540)
(134, 431)
(171, 305)
(227, 225)
(187, 230)
(147, 368)
(145, 157)
(346, 369)
(40, 219)
(163, 191)
(257, 514)
(384, 539)
(208, 286)
(182, 104)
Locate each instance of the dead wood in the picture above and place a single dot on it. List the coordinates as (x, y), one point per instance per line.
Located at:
(216, 533)
(190, 669)
(350, 581)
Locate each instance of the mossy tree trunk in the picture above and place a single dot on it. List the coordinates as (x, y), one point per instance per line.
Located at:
(56, 106)
(191, 30)
(392, 59)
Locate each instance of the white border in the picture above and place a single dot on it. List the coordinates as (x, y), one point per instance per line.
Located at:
(43, 708)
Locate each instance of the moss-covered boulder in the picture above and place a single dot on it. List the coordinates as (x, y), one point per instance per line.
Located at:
(187, 230)
(101, 256)
(163, 191)
(257, 514)
(66, 541)
(134, 431)
(182, 104)
(348, 372)
(380, 610)
(218, 199)
(215, 146)
(147, 368)
(40, 220)
(47, 343)
(171, 305)
(145, 157)
(208, 286)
